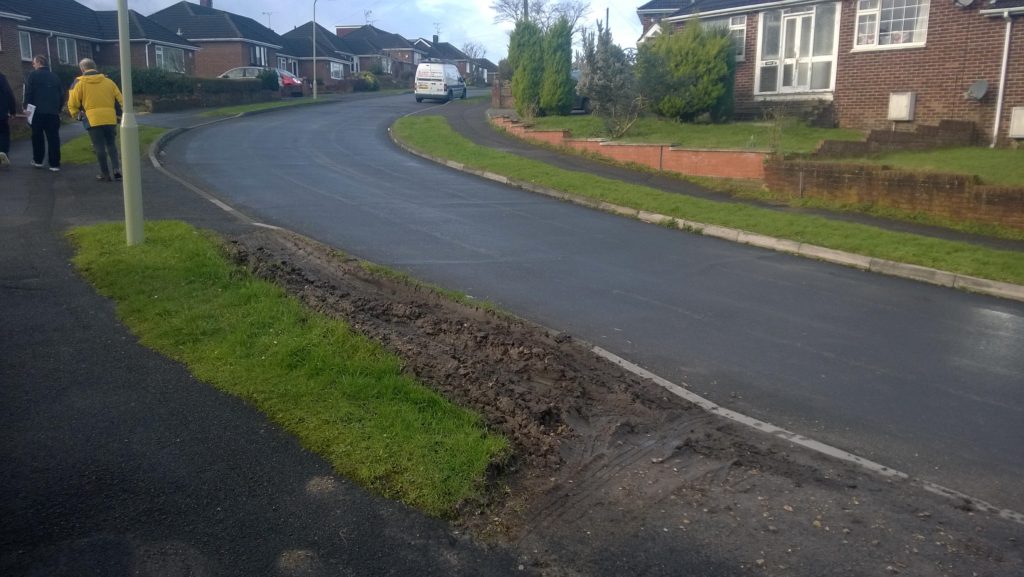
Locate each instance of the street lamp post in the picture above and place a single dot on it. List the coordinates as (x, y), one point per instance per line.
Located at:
(130, 165)
(314, 49)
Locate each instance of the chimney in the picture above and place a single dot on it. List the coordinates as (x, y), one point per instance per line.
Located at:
(435, 39)
(206, 3)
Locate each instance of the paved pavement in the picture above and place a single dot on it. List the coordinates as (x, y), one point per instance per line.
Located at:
(116, 461)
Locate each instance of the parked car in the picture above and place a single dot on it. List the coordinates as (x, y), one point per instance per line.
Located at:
(290, 84)
(580, 103)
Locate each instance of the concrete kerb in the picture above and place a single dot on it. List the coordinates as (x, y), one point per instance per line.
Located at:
(881, 266)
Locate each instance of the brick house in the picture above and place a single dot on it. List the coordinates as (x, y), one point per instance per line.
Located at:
(66, 31)
(335, 59)
(226, 40)
(438, 50)
(380, 51)
(879, 64)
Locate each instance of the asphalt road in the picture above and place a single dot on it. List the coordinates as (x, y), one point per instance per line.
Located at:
(923, 379)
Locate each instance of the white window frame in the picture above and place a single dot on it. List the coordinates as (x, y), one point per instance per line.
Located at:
(65, 47)
(25, 44)
(337, 71)
(737, 27)
(834, 57)
(258, 55)
(868, 25)
(165, 58)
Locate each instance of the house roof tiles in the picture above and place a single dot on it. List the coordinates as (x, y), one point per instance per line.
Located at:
(299, 42)
(201, 23)
(74, 19)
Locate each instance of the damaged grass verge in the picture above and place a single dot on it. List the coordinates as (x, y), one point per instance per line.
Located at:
(341, 394)
(432, 135)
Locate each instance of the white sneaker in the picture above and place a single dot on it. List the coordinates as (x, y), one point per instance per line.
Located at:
(54, 169)
(4, 161)
(37, 164)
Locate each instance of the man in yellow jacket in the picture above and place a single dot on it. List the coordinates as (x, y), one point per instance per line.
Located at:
(100, 99)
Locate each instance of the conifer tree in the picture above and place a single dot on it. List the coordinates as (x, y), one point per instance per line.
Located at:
(557, 88)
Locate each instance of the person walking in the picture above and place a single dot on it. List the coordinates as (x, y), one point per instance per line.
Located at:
(44, 91)
(100, 99)
(8, 108)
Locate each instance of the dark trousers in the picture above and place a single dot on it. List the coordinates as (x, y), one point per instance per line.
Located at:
(46, 138)
(5, 136)
(104, 144)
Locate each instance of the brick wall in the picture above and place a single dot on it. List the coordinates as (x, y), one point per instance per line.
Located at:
(216, 58)
(953, 196)
(962, 46)
(691, 162)
(10, 56)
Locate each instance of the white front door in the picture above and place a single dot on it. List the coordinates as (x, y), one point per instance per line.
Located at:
(797, 37)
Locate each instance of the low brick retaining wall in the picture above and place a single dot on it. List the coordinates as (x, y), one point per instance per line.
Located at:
(691, 162)
(954, 196)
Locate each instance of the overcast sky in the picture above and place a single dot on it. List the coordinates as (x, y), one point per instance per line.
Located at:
(458, 21)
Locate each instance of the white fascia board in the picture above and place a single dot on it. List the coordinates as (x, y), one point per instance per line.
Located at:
(741, 10)
(246, 40)
(62, 34)
(13, 16)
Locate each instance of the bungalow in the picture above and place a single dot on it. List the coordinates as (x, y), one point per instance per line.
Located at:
(891, 64)
(335, 60)
(226, 40)
(486, 71)
(445, 51)
(66, 31)
(380, 51)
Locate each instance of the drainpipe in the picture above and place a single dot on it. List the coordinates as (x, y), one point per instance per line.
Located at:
(1002, 80)
(49, 57)
(147, 52)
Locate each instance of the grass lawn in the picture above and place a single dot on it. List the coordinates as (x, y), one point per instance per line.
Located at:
(341, 394)
(78, 150)
(432, 135)
(793, 136)
(993, 166)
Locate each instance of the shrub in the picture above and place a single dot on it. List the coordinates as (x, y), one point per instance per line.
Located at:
(366, 82)
(269, 81)
(687, 74)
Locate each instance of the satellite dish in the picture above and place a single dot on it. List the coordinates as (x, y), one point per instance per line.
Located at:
(976, 90)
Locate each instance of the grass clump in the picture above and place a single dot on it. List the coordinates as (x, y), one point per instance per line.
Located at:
(433, 135)
(341, 394)
(78, 150)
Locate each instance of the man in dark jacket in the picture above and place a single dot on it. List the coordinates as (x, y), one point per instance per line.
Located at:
(8, 108)
(44, 91)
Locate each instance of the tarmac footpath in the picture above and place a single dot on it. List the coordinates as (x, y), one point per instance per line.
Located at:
(115, 461)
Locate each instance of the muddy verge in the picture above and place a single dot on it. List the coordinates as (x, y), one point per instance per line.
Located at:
(612, 475)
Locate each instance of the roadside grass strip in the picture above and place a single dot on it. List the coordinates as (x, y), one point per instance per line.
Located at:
(78, 150)
(340, 393)
(432, 135)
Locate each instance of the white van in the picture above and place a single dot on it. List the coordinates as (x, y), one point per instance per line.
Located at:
(439, 81)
